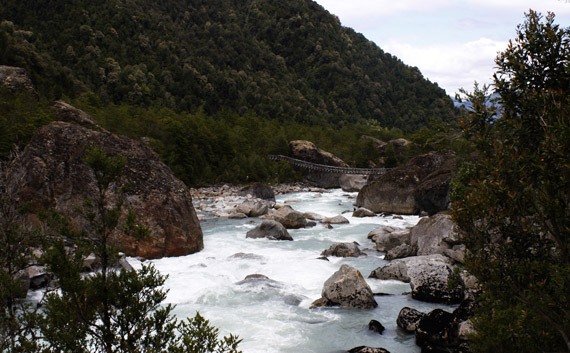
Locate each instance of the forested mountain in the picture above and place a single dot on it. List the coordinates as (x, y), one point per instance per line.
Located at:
(290, 60)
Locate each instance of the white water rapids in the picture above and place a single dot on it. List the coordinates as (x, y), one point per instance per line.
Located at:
(275, 316)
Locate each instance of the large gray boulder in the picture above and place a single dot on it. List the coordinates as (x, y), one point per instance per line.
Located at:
(253, 208)
(347, 288)
(343, 250)
(362, 212)
(352, 182)
(412, 188)
(387, 237)
(434, 235)
(428, 277)
(271, 230)
(51, 174)
(16, 79)
(290, 218)
(336, 220)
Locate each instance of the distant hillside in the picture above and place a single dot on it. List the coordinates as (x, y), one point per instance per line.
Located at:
(280, 59)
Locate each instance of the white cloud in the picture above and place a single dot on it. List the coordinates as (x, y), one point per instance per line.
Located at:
(452, 66)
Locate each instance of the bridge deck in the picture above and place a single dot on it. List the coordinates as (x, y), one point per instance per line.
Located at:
(327, 168)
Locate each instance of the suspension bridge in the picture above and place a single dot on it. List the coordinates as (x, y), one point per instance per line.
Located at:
(322, 168)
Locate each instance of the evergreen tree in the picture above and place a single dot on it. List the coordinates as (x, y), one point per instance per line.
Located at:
(514, 211)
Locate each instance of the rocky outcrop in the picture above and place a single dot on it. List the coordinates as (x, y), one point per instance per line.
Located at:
(290, 218)
(259, 191)
(408, 319)
(352, 182)
(428, 277)
(16, 79)
(51, 174)
(271, 230)
(347, 288)
(399, 252)
(307, 151)
(412, 188)
(343, 250)
(70, 114)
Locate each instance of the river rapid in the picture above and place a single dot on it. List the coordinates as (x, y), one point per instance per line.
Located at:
(274, 316)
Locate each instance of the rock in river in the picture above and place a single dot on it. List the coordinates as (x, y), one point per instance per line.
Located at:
(271, 230)
(347, 288)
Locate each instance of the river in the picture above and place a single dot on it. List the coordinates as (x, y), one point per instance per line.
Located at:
(274, 316)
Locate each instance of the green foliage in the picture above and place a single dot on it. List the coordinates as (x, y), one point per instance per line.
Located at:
(113, 310)
(198, 336)
(21, 113)
(289, 61)
(513, 204)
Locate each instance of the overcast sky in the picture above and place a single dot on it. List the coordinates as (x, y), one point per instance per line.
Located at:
(452, 42)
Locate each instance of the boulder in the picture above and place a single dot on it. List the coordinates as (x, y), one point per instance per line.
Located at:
(352, 182)
(347, 288)
(363, 212)
(336, 220)
(364, 349)
(396, 191)
(376, 326)
(253, 208)
(399, 252)
(271, 230)
(51, 174)
(313, 216)
(16, 79)
(259, 191)
(387, 237)
(435, 331)
(408, 319)
(428, 277)
(307, 151)
(290, 218)
(343, 250)
(433, 235)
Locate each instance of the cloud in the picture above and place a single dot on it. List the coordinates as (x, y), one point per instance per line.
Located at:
(452, 66)
(380, 8)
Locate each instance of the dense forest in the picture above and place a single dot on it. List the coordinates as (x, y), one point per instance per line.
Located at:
(291, 61)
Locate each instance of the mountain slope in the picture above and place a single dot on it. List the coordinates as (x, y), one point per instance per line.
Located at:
(286, 60)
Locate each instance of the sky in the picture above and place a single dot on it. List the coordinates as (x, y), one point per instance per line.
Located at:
(452, 42)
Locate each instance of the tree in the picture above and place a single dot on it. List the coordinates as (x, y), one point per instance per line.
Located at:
(111, 310)
(514, 211)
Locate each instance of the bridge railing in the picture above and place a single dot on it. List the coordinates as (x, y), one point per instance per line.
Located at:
(299, 163)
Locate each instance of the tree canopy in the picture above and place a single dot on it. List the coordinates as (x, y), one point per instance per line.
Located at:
(514, 203)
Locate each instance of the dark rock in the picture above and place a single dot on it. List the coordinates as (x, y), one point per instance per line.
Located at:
(343, 250)
(51, 174)
(400, 190)
(408, 319)
(271, 230)
(364, 349)
(347, 288)
(375, 326)
(259, 191)
(435, 331)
